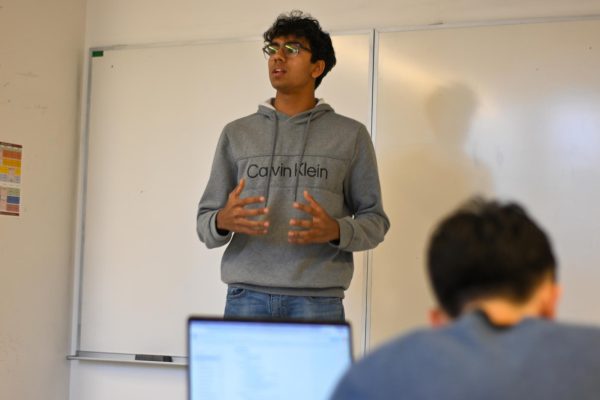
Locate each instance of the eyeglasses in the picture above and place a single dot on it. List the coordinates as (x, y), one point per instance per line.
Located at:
(290, 49)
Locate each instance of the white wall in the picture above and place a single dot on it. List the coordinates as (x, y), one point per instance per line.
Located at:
(41, 44)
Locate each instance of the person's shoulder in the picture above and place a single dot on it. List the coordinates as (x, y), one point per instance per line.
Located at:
(345, 121)
(576, 332)
(560, 343)
(406, 345)
(239, 128)
(387, 370)
(559, 340)
(243, 121)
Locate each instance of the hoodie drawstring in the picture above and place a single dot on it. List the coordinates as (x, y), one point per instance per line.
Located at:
(275, 134)
(306, 131)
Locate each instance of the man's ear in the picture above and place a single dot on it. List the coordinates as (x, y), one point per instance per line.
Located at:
(438, 318)
(549, 300)
(318, 68)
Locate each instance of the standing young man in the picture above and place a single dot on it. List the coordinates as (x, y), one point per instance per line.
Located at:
(294, 189)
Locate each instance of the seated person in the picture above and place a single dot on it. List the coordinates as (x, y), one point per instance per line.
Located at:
(493, 273)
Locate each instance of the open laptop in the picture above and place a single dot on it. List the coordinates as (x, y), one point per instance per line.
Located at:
(266, 359)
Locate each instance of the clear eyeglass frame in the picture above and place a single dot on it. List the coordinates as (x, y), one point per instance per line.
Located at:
(290, 49)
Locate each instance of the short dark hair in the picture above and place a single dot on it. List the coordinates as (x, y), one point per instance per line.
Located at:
(304, 26)
(487, 249)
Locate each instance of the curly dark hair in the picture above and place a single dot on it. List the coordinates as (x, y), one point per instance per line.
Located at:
(304, 26)
(487, 249)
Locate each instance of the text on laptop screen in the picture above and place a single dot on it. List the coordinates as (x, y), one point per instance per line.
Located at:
(266, 360)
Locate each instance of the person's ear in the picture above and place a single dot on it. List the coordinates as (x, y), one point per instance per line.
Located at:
(549, 300)
(318, 68)
(438, 318)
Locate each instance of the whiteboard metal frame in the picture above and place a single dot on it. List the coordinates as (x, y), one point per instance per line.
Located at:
(125, 358)
(368, 257)
(478, 24)
(80, 218)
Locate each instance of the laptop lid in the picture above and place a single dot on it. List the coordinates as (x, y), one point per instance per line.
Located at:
(266, 359)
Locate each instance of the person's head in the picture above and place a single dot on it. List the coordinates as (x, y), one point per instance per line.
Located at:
(488, 250)
(304, 30)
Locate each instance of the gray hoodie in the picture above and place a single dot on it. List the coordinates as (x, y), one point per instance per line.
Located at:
(326, 154)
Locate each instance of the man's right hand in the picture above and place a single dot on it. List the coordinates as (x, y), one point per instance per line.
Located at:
(234, 217)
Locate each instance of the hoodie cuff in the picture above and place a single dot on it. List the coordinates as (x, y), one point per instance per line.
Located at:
(346, 233)
(215, 232)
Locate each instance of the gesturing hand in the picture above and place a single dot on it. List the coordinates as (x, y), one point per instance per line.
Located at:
(234, 217)
(319, 228)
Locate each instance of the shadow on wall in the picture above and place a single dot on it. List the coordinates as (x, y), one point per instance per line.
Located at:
(445, 173)
(422, 182)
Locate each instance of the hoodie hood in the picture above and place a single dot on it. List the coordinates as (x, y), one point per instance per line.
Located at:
(318, 110)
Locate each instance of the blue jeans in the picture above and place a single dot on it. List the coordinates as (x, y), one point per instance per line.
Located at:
(247, 303)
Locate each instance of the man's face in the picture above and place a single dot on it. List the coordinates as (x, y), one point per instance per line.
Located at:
(291, 74)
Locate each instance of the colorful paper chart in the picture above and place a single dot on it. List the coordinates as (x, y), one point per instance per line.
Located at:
(10, 178)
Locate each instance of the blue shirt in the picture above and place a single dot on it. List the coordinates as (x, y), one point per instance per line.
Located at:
(474, 359)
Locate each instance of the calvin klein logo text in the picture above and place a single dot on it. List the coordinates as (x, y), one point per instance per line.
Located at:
(299, 169)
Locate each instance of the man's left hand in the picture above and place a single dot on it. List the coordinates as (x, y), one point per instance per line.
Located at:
(319, 228)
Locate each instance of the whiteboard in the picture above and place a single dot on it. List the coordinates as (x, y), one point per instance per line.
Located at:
(511, 111)
(507, 110)
(155, 115)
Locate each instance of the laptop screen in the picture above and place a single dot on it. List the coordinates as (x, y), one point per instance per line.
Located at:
(246, 359)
